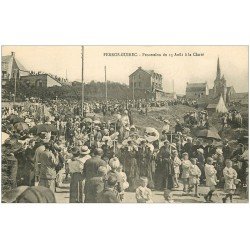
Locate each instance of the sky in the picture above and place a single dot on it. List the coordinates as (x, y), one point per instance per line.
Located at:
(174, 69)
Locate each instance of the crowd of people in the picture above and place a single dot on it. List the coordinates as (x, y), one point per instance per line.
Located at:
(103, 159)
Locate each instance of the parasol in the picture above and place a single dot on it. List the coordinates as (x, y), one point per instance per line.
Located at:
(43, 128)
(96, 121)
(87, 120)
(21, 126)
(151, 138)
(153, 134)
(150, 130)
(208, 134)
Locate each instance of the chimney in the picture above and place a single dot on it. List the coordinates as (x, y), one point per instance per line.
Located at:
(13, 54)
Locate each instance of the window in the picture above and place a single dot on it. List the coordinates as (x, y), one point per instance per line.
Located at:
(39, 83)
(139, 76)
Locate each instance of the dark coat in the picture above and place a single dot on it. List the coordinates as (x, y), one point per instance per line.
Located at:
(91, 167)
(209, 150)
(108, 195)
(188, 148)
(92, 189)
(25, 194)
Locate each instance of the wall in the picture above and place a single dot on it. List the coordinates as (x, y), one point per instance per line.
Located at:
(34, 80)
(52, 82)
(196, 94)
(142, 80)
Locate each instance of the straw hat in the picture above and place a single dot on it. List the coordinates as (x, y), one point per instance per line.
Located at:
(200, 150)
(84, 150)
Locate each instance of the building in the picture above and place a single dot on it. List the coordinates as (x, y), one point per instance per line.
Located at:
(12, 68)
(201, 92)
(220, 87)
(40, 80)
(240, 98)
(146, 84)
(197, 90)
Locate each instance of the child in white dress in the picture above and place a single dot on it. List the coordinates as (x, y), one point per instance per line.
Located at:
(186, 164)
(230, 176)
(211, 179)
(142, 193)
(194, 177)
(177, 163)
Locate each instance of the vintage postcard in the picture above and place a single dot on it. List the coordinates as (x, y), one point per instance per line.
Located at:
(124, 124)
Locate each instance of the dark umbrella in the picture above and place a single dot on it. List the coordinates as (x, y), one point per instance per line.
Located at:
(15, 119)
(43, 128)
(21, 126)
(208, 134)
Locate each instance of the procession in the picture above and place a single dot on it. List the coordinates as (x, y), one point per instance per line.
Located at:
(104, 158)
(151, 147)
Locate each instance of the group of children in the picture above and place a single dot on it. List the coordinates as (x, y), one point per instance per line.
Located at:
(190, 176)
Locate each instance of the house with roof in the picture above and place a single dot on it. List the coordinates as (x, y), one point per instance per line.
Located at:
(12, 68)
(197, 91)
(147, 84)
(43, 80)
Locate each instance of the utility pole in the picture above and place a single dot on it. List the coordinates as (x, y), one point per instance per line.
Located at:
(133, 90)
(82, 80)
(106, 87)
(14, 99)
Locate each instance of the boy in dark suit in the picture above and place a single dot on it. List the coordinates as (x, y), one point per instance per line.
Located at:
(109, 194)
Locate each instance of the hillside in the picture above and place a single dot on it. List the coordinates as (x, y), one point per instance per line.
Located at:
(92, 91)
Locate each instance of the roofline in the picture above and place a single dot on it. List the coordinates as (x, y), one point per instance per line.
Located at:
(144, 71)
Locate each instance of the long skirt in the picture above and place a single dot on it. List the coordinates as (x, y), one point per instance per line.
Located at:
(146, 170)
(132, 172)
(76, 188)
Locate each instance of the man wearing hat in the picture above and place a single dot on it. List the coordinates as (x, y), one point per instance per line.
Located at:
(48, 162)
(188, 147)
(84, 154)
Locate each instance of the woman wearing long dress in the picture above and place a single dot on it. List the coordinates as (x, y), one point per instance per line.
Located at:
(75, 167)
(130, 165)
